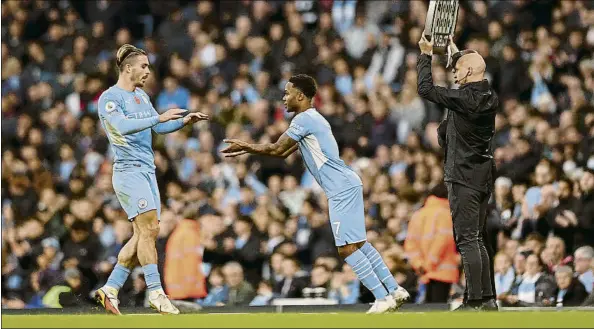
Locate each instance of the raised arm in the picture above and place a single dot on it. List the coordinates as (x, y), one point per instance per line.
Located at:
(453, 99)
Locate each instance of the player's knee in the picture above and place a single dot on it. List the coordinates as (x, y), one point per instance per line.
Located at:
(148, 225)
(150, 231)
(346, 250)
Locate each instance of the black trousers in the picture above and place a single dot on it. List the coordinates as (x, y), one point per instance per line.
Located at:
(469, 215)
(437, 292)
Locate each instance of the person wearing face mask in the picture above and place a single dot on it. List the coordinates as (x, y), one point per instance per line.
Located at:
(467, 137)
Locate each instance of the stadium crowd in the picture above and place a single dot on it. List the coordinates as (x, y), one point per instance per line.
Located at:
(244, 231)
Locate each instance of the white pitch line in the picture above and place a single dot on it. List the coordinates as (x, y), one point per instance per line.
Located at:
(151, 314)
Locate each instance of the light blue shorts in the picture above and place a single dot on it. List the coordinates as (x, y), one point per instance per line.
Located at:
(137, 192)
(347, 216)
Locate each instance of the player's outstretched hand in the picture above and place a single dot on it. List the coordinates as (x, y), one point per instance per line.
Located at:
(195, 117)
(172, 114)
(236, 147)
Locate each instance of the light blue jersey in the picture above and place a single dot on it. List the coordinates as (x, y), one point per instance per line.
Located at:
(342, 185)
(127, 117)
(320, 153)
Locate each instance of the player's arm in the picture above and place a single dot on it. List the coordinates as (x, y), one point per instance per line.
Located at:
(453, 99)
(177, 124)
(169, 126)
(112, 113)
(290, 151)
(283, 147)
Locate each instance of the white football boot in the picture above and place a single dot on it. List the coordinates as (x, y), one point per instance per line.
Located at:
(382, 305)
(108, 298)
(161, 303)
(400, 296)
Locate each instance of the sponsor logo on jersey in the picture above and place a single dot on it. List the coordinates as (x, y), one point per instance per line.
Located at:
(139, 115)
(142, 203)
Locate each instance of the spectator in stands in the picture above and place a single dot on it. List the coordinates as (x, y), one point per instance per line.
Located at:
(583, 260)
(520, 264)
(534, 288)
(570, 291)
(240, 291)
(586, 208)
(504, 274)
(265, 294)
(291, 285)
(319, 286)
(590, 299)
(555, 253)
(247, 247)
(218, 292)
(562, 219)
(344, 286)
(173, 95)
(72, 293)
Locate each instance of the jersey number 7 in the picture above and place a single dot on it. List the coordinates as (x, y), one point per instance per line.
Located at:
(337, 228)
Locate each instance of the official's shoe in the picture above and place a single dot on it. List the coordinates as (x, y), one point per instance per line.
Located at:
(400, 296)
(490, 306)
(466, 308)
(382, 305)
(162, 304)
(108, 298)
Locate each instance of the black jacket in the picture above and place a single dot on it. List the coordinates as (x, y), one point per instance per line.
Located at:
(294, 289)
(575, 295)
(468, 130)
(585, 215)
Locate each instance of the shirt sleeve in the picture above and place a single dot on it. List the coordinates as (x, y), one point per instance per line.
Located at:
(169, 126)
(453, 99)
(299, 128)
(111, 113)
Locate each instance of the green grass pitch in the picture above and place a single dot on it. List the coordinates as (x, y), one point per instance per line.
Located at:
(570, 319)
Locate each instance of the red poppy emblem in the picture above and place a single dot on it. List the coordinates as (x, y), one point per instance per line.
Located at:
(137, 100)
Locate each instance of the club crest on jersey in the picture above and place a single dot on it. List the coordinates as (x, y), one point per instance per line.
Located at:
(137, 100)
(142, 203)
(110, 106)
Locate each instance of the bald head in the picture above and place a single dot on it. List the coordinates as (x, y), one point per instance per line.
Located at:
(470, 68)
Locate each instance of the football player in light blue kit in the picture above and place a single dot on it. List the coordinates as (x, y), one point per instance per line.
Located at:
(310, 132)
(127, 115)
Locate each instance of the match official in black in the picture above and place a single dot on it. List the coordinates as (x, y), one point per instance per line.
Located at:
(466, 135)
